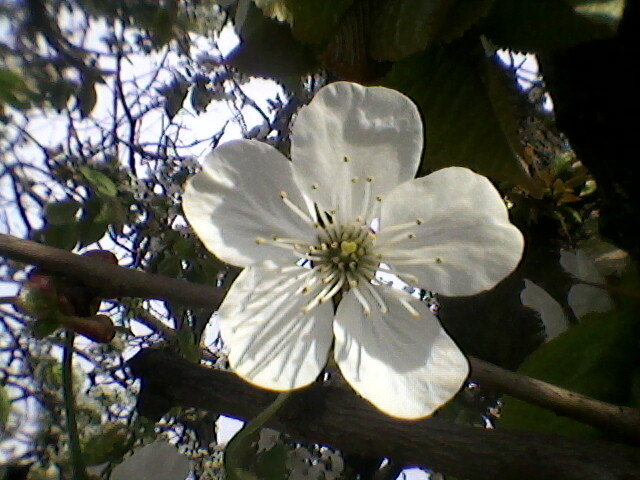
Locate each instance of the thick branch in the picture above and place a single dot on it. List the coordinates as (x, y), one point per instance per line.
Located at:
(332, 415)
(115, 281)
(111, 281)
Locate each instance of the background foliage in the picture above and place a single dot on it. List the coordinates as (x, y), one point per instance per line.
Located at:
(107, 106)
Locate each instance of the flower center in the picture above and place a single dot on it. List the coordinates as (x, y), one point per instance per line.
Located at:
(345, 257)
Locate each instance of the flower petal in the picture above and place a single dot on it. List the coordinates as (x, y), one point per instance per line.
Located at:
(236, 199)
(464, 243)
(272, 343)
(376, 129)
(584, 299)
(406, 366)
(551, 314)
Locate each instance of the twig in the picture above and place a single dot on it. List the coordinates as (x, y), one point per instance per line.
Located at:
(79, 471)
(616, 419)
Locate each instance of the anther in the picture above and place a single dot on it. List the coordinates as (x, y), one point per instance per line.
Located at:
(370, 179)
(283, 195)
(379, 198)
(419, 221)
(345, 159)
(411, 235)
(315, 186)
(355, 180)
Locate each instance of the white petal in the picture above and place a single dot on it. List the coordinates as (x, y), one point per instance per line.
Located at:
(406, 366)
(157, 461)
(537, 298)
(272, 343)
(465, 243)
(236, 198)
(377, 129)
(584, 299)
(580, 265)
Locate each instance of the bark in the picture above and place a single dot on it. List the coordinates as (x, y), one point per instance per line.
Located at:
(333, 415)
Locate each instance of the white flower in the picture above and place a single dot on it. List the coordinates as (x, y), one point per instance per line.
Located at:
(303, 230)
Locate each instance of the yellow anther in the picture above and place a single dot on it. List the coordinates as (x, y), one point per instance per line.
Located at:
(370, 179)
(355, 180)
(283, 194)
(345, 159)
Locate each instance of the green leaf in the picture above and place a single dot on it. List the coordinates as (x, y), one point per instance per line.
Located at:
(170, 265)
(101, 183)
(61, 236)
(468, 109)
(45, 326)
(13, 90)
(314, 21)
(62, 213)
(594, 358)
(188, 345)
(271, 464)
(95, 220)
(269, 49)
(174, 94)
(544, 25)
(110, 445)
(240, 449)
(405, 27)
(87, 98)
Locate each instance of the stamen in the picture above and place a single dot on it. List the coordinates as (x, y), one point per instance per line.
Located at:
(276, 243)
(307, 256)
(336, 287)
(295, 209)
(405, 303)
(404, 275)
(328, 225)
(317, 299)
(384, 231)
(363, 301)
(292, 241)
(374, 292)
(329, 277)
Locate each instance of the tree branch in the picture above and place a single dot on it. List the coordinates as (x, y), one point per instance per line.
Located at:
(113, 281)
(332, 415)
(110, 280)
